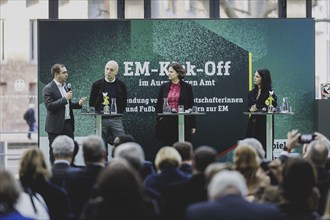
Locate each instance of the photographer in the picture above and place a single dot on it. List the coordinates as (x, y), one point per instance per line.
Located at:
(296, 139)
(316, 148)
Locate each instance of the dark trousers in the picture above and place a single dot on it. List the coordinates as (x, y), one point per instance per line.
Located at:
(31, 129)
(257, 129)
(67, 130)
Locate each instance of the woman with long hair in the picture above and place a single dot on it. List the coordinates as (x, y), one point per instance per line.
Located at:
(257, 101)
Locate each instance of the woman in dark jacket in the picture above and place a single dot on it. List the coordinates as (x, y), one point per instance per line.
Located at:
(178, 93)
(257, 102)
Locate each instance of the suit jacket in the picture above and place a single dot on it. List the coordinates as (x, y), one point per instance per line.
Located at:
(96, 96)
(58, 173)
(159, 182)
(179, 196)
(232, 207)
(79, 183)
(55, 105)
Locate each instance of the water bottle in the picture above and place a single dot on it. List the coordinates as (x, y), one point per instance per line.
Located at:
(113, 107)
(166, 106)
(285, 105)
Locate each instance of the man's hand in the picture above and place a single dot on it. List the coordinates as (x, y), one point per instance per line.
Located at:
(292, 140)
(68, 95)
(82, 100)
(253, 108)
(320, 136)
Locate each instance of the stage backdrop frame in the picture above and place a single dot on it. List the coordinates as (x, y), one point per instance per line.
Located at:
(220, 56)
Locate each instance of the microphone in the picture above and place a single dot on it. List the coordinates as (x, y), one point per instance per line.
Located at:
(69, 87)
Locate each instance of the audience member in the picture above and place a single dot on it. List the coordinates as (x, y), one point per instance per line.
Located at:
(179, 196)
(254, 143)
(134, 154)
(317, 152)
(9, 195)
(298, 185)
(63, 147)
(247, 163)
(79, 182)
(34, 177)
(215, 168)
(185, 150)
(167, 163)
(120, 194)
(226, 193)
(120, 139)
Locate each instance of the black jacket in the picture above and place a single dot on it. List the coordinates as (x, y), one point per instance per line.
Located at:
(96, 96)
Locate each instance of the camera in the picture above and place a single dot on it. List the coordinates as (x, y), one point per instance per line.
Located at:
(306, 138)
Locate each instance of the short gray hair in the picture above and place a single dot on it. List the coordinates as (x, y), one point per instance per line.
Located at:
(318, 151)
(225, 180)
(132, 152)
(63, 146)
(255, 144)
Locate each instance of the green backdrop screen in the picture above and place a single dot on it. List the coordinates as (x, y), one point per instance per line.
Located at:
(220, 57)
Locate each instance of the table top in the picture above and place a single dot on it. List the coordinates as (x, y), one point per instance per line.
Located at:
(182, 113)
(98, 113)
(268, 113)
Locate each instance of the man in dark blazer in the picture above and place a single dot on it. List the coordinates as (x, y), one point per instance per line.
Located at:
(226, 193)
(179, 196)
(112, 87)
(79, 182)
(63, 147)
(57, 99)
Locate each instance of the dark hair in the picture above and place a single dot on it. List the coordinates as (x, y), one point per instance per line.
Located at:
(266, 81)
(204, 156)
(185, 149)
(121, 139)
(124, 138)
(179, 69)
(9, 191)
(56, 68)
(299, 178)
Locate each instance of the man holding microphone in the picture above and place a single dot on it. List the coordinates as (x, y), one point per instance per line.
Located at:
(59, 105)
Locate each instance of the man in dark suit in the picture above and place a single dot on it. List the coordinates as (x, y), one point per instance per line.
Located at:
(57, 99)
(179, 196)
(112, 87)
(226, 192)
(79, 183)
(63, 147)
(318, 151)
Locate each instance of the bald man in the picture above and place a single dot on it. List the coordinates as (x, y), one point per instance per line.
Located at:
(115, 88)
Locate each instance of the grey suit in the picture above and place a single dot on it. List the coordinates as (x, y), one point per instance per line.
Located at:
(55, 120)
